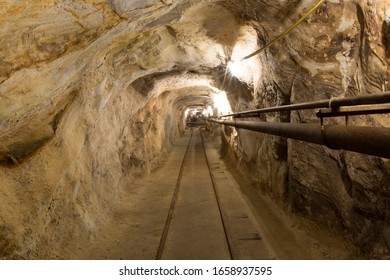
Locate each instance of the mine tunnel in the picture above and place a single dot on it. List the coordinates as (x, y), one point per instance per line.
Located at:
(194, 129)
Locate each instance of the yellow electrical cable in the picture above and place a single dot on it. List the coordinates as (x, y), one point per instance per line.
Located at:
(285, 32)
(277, 38)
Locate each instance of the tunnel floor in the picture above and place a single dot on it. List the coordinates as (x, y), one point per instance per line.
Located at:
(192, 207)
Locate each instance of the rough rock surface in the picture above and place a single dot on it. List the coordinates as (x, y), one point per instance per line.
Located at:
(94, 90)
(341, 50)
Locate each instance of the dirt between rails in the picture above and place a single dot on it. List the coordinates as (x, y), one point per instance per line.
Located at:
(137, 223)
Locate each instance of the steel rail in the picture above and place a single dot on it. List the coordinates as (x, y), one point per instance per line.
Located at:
(218, 199)
(164, 235)
(367, 140)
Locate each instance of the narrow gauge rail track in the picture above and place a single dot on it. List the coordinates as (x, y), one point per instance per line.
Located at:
(194, 207)
(195, 228)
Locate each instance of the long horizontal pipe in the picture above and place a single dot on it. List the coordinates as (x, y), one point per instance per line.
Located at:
(329, 103)
(367, 140)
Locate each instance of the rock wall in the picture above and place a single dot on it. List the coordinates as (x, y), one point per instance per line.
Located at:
(90, 91)
(341, 50)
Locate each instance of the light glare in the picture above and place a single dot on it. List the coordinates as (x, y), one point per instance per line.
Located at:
(210, 111)
(222, 103)
(236, 68)
(246, 70)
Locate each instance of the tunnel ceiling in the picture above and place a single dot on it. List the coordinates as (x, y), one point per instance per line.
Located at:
(150, 46)
(107, 48)
(113, 47)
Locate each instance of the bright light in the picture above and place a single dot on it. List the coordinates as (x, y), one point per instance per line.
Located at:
(210, 111)
(186, 113)
(222, 103)
(248, 70)
(236, 68)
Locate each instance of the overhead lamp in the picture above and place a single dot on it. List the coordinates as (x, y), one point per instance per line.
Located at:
(221, 103)
(236, 68)
(209, 111)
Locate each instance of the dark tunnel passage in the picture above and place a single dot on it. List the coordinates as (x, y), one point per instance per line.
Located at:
(124, 125)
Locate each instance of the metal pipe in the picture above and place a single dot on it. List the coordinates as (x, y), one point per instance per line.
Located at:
(360, 100)
(344, 111)
(330, 103)
(367, 140)
(291, 107)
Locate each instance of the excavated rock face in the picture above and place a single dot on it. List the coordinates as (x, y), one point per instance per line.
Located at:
(91, 91)
(341, 50)
(94, 90)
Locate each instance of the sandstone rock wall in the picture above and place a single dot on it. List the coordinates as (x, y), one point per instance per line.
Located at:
(341, 50)
(90, 91)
